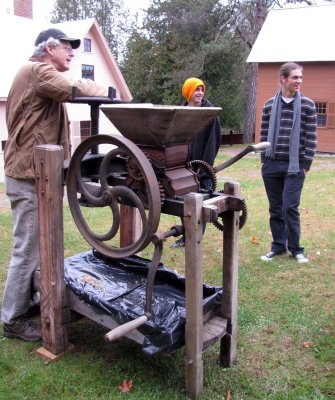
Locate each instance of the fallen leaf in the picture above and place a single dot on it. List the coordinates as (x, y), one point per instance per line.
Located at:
(254, 240)
(308, 345)
(125, 386)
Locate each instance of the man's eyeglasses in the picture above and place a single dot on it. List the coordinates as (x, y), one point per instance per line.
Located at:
(67, 48)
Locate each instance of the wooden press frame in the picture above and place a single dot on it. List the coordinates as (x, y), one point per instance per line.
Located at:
(57, 302)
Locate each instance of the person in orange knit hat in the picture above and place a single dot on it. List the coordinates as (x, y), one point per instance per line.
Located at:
(206, 143)
(193, 86)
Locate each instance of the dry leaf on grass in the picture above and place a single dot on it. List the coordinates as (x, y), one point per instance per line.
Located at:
(125, 386)
(254, 240)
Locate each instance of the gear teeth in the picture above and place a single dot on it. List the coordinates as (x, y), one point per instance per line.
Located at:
(242, 220)
(214, 180)
(244, 216)
(195, 164)
(162, 192)
(135, 174)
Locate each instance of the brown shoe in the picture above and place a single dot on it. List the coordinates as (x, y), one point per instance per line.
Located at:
(23, 329)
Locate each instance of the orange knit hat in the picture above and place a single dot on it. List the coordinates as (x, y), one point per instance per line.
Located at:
(190, 86)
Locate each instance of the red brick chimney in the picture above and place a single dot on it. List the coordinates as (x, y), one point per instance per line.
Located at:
(23, 8)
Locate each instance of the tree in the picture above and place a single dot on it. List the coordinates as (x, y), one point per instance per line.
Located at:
(181, 38)
(247, 19)
(137, 68)
(208, 39)
(111, 16)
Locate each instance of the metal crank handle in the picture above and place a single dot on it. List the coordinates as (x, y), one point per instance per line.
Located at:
(126, 328)
(238, 156)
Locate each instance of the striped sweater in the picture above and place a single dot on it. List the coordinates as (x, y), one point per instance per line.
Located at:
(308, 136)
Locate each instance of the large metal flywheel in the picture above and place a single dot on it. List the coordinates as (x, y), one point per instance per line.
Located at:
(106, 181)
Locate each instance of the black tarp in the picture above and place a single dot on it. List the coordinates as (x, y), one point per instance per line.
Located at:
(118, 287)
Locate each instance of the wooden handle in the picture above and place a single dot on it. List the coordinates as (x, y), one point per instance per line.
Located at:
(124, 329)
(261, 146)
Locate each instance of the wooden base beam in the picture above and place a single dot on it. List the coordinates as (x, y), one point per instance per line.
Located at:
(45, 354)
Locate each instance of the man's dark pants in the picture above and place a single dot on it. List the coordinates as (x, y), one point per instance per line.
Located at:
(283, 192)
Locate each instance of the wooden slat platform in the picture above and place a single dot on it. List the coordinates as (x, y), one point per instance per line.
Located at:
(214, 329)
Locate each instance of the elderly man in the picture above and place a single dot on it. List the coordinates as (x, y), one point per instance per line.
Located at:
(35, 115)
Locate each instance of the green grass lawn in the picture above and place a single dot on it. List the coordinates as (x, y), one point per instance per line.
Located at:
(286, 330)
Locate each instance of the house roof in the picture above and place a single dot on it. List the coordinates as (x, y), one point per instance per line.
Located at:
(299, 34)
(19, 35)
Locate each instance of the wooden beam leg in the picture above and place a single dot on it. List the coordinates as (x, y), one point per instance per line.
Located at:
(230, 279)
(49, 164)
(130, 225)
(194, 294)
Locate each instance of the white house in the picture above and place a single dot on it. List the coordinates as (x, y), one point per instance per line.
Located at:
(93, 58)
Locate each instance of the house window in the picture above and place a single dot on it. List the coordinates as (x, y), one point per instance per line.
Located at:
(85, 129)
(87, 45)
(87, 71)
(325, 112)
(321, 112)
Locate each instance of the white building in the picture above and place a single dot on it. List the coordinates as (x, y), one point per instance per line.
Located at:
(93, 58)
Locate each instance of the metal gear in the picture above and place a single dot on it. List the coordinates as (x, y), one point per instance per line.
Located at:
(202, 168)
(242, 220)
(133, 169)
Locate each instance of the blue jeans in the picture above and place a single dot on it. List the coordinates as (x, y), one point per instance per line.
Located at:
(283, 192)
(25, 254)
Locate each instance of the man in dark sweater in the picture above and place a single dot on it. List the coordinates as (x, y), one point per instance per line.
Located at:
(289, 123)
(206, 143)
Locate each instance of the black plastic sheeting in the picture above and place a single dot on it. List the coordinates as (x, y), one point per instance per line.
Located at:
(118, 287)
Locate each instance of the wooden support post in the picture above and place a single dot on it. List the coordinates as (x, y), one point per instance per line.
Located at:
(230, 279)
(130, 225)
(49, 164)
(194, 293)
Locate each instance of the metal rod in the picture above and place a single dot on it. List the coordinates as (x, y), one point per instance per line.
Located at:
(255, 147)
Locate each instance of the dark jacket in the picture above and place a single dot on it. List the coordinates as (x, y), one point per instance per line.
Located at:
(206, 143)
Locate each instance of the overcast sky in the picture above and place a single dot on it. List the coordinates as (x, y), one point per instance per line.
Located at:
(43, 8)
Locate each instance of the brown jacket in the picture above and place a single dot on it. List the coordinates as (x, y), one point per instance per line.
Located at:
(35, 114)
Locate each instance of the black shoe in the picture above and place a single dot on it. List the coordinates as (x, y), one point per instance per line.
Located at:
(178, 244)
(34, 306)
(23, 329)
